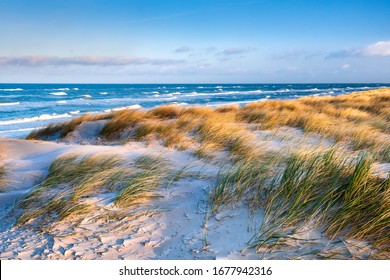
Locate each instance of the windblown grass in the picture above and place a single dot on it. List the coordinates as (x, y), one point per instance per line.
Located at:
(152, 173)
(63, 129)
(361, 119)
(341, 196)
(72, 180)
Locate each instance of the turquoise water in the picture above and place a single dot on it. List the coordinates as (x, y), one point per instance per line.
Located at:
(24, 107)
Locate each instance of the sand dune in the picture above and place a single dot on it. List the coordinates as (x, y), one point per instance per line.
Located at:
(148, 199)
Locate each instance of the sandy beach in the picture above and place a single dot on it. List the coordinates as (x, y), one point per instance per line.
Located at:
(201, 183)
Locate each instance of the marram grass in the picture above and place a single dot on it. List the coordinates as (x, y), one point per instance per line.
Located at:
(72, 180)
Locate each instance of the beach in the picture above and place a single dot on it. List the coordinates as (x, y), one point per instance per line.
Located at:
(304, 178)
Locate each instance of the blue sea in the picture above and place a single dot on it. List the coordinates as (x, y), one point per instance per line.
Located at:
(25, 107)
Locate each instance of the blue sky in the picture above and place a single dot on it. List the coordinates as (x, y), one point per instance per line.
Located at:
(194, 41)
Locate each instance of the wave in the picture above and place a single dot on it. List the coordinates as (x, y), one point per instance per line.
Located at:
(58, 93)
(103, 93)
(65, 88)
(61, 102)
(10, 104)
(11, 89)
(135, 106)
(43, 117)
(87, 96)
(75, 112)
(75, 88)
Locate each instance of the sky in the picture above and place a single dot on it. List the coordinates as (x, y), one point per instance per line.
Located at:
(194, 41)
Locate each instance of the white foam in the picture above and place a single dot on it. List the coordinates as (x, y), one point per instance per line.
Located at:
(10, 104)
(103, 93)
(62, 88)
(176, 93)
(11, 89)
(43, 117)
(61, 102)
(58, 93)
(75, 88)
(74, 112)
(136, 106)
(218, 87)
(87, 96)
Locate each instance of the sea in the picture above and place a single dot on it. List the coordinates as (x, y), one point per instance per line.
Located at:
(25, 107)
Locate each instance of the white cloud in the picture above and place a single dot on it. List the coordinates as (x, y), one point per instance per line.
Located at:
(345, 66)
(39, 60)
(381, 48)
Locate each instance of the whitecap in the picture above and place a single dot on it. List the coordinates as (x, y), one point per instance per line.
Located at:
(74, 112)
(87, 96)
(61, 102)
(59, 93)
(10, 104)
(35, 119)
(103, 93)
(65, 88)
(135, 106)
(11, 89)
(75, 88)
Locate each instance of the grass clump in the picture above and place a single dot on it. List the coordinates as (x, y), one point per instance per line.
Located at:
(62, 129)
(151, 173)
(70, 180)
(341, 196)
(247, 178)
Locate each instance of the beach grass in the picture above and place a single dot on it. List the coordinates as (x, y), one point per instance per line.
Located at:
(151, 174)
(63, 129)
(340, 195)
(73, 180)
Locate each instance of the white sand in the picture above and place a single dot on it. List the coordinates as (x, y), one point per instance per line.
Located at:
(176, 227)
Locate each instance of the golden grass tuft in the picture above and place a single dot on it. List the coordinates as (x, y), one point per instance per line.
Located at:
(63, 129)
(152, 173)
(360, 119)
(120, 121)
(73, 180)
